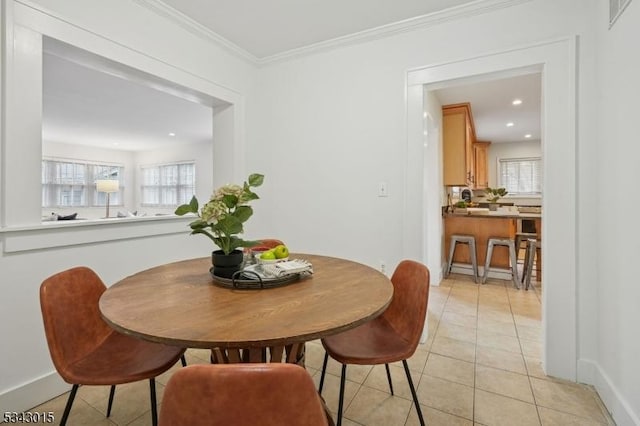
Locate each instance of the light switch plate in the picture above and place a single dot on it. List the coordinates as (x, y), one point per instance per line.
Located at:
(383, 190)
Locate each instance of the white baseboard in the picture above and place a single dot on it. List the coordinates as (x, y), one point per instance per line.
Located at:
(32, 394)
(621, 411)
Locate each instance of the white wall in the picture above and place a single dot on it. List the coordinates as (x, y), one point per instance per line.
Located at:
(615, 367)
(506, 150)
(125, 32)
(334, 125)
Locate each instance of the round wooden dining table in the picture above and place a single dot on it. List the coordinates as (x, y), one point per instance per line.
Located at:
(180, 304)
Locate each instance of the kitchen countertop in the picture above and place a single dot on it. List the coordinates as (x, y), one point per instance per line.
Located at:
(497, 215)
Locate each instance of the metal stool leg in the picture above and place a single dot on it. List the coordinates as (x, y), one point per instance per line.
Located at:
(531, 254)
(487, 262)
(452, 250)
(474, 260)
(526, 262)
(514, 265)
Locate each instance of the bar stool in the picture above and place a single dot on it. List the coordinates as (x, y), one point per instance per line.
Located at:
(529, 257)
(507, 242)
(523, 237)
(463, 239)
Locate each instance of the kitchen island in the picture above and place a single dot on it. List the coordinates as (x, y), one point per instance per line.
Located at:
(483, 227)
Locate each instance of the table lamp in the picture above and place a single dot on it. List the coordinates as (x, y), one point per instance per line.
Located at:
(108, 186)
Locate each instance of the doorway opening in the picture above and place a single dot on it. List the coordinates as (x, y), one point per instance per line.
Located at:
(551, 60)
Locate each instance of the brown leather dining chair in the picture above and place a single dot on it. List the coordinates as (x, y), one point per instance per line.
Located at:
(242, 394)
(85, 350)
(270, 243)
(391, 337)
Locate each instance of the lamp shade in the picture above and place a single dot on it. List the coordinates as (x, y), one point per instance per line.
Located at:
(107, 185)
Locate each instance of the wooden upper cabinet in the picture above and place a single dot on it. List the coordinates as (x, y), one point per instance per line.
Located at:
(458, 135)
(481, 164)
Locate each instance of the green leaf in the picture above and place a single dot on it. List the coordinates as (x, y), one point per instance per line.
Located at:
(194, 204)
(230, 201)
(248, 196)
(198, 224)
(229, 225)
(243, 213)
(192, 207)
(256, 179)
(183, 209)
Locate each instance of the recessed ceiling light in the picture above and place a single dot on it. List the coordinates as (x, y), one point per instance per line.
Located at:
(528, 135)
(517, 101)
(510, 124)
(172, 134)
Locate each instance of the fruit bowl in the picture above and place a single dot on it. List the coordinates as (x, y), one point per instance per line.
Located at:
(270, 261)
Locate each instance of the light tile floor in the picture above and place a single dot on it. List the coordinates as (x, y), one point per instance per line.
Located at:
(480, 366)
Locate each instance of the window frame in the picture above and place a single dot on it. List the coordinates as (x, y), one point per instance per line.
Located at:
(178, 187)
(91, 197)
(540, 177)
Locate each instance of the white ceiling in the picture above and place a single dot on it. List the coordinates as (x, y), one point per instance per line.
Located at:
(492, 108)
(267, 28)
(83, 105)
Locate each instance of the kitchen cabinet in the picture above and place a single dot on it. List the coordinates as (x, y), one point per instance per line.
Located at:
(458, 135)
(481, 164)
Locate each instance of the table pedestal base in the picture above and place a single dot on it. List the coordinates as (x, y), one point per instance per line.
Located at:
(293, 354)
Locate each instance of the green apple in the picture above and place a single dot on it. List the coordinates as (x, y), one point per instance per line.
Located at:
(268, 255)
(281, 251)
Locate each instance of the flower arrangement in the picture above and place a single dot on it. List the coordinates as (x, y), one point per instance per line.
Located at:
(223, 216)
(494, 194)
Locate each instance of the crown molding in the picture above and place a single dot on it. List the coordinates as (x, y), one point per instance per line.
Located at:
(196, 28)
(477, 7)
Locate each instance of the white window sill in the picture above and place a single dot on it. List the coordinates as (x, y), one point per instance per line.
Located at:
(63, 233)
(535, 197)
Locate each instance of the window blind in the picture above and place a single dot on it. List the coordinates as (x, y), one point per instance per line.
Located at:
(71, 183)
(521, 176)
(168, 184)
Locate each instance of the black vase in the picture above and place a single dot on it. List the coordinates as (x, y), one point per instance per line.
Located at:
(225, 265)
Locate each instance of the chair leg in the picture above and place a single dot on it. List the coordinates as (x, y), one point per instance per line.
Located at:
(386, 366)
(413, 391)
(341, 401)
(324, 370)
(183, 360)
(154, 408)
(67, 408)
(112, 392)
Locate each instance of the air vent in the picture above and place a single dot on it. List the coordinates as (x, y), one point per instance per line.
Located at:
(616, 7)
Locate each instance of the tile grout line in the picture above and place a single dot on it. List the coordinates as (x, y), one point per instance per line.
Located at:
(533, 395)
(475, 354)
